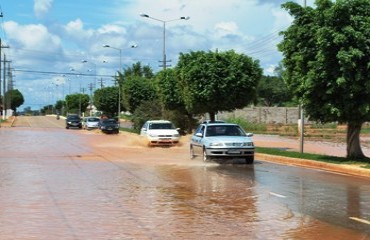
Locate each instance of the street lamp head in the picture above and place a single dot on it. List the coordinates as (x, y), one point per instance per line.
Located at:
(106, 45)
(185, 18)
(134, 46)
(144, 15)
(84, 61)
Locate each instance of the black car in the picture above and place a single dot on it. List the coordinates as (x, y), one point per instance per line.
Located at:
(109, 126)
(73, 121)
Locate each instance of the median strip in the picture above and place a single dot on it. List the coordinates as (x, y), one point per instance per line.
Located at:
(360, 220)
(277, 195)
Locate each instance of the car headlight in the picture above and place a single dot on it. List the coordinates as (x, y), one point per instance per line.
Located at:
(248, 144)
(216, 144)
(176, 135)
(152, 135)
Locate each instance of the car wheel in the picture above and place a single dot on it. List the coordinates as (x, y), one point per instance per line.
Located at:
(249, 160)
(205, 156)
(67, 127)
(192, 155)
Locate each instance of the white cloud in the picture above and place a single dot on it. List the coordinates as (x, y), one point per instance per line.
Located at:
(42, 7)
(247, 26)
(226, 28)
(75, 31)
(32, 36)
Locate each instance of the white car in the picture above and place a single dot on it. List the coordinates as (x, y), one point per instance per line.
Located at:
(222, 140)
(90, 123)
(160, 132)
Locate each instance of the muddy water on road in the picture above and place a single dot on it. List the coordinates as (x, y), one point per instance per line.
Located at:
(60, 184)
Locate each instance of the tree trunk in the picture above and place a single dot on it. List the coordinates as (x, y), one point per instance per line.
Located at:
(212, 116)
(354, 150)
(189, 123)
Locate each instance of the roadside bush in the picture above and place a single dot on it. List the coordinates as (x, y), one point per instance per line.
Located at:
(248, 126)
(146, 111)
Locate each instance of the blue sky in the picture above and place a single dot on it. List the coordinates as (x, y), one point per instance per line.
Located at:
(58, 35)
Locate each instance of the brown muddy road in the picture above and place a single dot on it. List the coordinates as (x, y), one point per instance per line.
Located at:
(76, 184)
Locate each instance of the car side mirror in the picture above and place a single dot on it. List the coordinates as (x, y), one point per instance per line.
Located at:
(249, 134)
(143, 129)
(199, 134)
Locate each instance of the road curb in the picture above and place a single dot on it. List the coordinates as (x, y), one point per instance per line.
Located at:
(344, 169)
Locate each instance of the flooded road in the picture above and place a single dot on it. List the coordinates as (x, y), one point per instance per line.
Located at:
(76, 184)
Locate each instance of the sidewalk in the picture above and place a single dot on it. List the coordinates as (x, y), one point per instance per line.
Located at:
(8, 122)
(317, 147)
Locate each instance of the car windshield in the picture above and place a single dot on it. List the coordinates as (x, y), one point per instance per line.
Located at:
(93, 119)
(73, 117)
(224, 130)
(161, 126)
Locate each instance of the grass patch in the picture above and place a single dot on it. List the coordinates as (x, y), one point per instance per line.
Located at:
(323, 126)
(248, 126)
(315, 157)
(131, 130)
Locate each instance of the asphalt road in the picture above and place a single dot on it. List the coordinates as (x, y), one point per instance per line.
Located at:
(77, 184)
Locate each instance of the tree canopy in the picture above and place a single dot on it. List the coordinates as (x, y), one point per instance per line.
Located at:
(137, 86)
(326, 56)
(217, 81)
(106, 100)
(273, 91)
(13, 99)
(77, 103)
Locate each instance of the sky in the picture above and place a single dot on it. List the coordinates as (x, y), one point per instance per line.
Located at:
(56, 46)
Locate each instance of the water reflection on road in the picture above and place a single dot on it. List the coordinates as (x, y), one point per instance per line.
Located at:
(57, 184)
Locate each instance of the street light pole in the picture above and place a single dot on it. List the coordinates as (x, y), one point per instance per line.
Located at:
(164, 58)
(91, 85)
(120, 69)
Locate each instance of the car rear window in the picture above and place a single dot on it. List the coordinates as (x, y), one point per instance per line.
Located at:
(109, 121)
(161, 126)
(93, 120)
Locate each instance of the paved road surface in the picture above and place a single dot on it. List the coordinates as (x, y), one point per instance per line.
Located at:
(75, 184)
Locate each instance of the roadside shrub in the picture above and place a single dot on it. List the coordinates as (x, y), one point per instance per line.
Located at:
(326, 125)
(248, 126)
(146, 111)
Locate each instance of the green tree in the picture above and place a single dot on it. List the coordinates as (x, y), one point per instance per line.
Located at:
(13, 99)
(326, 58)
(138, 70)
(137, 86)
(77, 103)
(146, 110)
(170, 96)
(106, 100)
(137, 90)
(273, 91)
(47, 109)
(217, 81)
(60, 105)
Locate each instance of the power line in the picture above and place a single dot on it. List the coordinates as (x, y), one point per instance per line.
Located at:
(61, 73)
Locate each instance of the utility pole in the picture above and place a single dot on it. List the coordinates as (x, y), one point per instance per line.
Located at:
(3, 100)
(302, 115)
(101, 82)
(6, 101)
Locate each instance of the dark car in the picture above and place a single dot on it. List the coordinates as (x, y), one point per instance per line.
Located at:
(109, 126)
(73, 121)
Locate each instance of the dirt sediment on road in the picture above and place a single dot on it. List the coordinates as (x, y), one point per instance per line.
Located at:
(126, 145)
